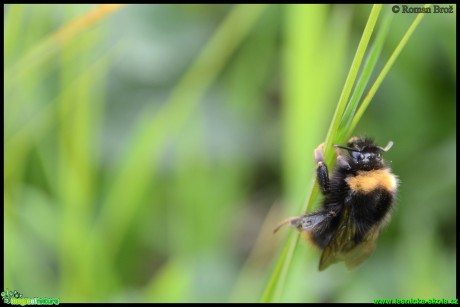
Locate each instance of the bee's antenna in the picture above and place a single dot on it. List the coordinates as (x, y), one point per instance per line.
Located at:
(294, 221)
(389, 145)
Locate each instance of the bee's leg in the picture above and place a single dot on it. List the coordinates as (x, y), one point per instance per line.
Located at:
(293, 221)
(341, 161)
(321, 170)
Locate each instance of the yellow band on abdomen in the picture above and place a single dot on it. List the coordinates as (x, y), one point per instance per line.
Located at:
(368, 181)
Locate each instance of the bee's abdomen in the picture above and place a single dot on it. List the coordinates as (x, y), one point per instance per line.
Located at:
(371, 209)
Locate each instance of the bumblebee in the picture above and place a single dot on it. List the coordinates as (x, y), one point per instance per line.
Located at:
(358, 199)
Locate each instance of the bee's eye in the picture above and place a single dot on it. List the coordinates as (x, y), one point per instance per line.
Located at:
(357, 155)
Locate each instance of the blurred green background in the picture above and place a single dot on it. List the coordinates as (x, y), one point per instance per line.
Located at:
(149, 150)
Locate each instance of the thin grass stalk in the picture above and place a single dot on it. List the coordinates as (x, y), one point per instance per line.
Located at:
(368, 68)
(384, 71)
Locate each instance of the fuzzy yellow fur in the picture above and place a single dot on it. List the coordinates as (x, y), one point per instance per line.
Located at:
(368, 181)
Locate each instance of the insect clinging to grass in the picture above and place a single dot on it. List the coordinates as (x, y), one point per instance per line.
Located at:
(358, 199)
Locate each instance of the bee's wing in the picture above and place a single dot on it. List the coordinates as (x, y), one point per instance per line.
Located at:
(364, 249)
(342, 247)
(339, 245)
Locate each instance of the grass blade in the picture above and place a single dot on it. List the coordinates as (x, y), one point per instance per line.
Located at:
(274, 288)
(355, 66)
(384, 71)
(363, 79)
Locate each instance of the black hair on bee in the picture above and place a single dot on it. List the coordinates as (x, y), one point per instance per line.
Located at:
(358, 199)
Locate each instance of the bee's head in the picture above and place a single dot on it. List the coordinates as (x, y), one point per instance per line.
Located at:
(364, 154)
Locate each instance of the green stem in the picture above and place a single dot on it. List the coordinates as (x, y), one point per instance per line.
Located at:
(359, 55)
(385, 70)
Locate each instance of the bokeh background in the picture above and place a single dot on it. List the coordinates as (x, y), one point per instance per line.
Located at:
(149, 150)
